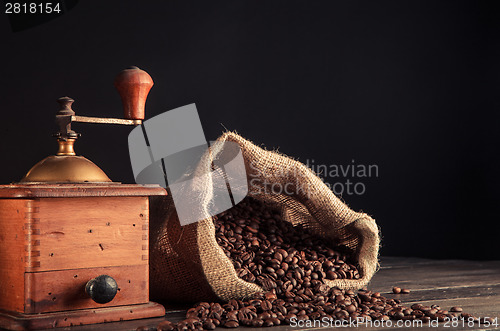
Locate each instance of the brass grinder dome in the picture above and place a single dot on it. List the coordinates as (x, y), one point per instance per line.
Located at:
(66, 166)
(61, 168)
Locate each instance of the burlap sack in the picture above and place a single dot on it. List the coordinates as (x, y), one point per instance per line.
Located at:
(187, 264)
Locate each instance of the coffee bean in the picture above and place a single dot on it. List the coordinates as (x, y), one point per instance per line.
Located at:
(257, 323)
(231, 324)
(166, 326)
(396, 290)
(189, 324)
(146, 328)
(399, 315)
(417, 306)
(209, 325)
(264, 315)
(456, 309)
(266, 305)
(232, 316)
(275, 321)
(487, 320)
(350, 309)
(364, 297)
(405, 291)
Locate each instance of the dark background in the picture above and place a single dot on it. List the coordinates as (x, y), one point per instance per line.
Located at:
(410, 86)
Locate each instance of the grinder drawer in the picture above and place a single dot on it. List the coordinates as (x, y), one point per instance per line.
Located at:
(65, 289)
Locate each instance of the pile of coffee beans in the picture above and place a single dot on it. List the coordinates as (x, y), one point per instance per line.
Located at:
(333, 304)
(276, 255)
(290, 264)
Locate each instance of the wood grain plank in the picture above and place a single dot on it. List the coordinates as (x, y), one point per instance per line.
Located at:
(14, 215)
(18, 321)
(90, 232)
(65, 289)
(429, 276)
(478, 292)
(405, 262)
(78, 190)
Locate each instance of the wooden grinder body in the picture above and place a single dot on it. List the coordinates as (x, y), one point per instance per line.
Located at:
(55, 238)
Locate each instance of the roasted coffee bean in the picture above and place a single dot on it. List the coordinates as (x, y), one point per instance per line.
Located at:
(405, 291)
(166, 326)
(231, 324)
(487, 320)
(469, 317)
(281, 309)
(146, 328)
(364, 297)
(257, 323)
(275, 321)
(270, 296)
(396, 290)
(209, 325)
(417, 306)
(266, 305)
(265, 315)
(232, 316)
(190, 324)
(456, 309)
(331, 275)
(350, 309)
(398, 315)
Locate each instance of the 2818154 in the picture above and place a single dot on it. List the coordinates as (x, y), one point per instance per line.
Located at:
(32, 8)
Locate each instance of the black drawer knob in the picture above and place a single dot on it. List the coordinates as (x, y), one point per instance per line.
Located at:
(102, 289)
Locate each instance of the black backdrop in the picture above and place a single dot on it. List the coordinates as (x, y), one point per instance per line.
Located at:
(408, 86)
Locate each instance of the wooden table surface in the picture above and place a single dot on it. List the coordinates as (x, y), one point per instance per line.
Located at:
(472, 285)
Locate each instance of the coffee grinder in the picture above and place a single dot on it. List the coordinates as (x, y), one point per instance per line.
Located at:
(74, 244)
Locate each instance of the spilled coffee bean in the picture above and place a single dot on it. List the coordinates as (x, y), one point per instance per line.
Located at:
(397, 290)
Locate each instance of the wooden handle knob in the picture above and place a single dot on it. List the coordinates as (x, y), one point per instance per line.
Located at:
(65, 106)
(133, 84)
